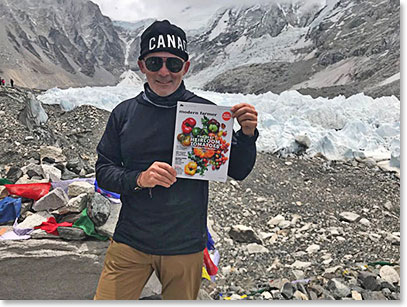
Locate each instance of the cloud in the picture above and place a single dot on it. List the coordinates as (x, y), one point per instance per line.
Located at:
(175, 11)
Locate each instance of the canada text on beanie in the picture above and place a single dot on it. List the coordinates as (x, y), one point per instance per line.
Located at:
(163, 36)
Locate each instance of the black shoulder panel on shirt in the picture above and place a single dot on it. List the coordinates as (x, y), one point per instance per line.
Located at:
(191, 97)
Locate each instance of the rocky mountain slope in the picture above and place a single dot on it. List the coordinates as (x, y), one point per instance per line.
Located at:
(348, 47)
(58, 43)
(296, 228)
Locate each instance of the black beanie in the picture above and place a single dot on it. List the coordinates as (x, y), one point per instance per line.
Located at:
(164, 36)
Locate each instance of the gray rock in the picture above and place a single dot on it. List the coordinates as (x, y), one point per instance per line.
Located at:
(338, 289)
(386, 292)
(301, 287)
(60, 166)
(267, 295)
(234, 183)
(385, 284)
(349, 217)
(389, 274)
(389, 206)
(153, 287)
(34, 160)
(53, 200)
(25, 210)
(351, 280)
(327, 296)
(322, 293)
(25, 179)
(74, 165)
(298, 295)
(276, 220)
(42, 234)
(74, 205)
(373, 295)
(51, 173)
(312, 248)
(244, 234)
(393, 239)
(3, 191)
(287, 290)
(364, 222)
(99, 209)
(259, 199)
(33, 174)
(47, 160)
(254, 248)
(317, 289)
(78, 203)
(68, 175)
(277, 295)
(301, 264)
(107, 229)
(331, 270)
(277, 283)
(203, 295)
(312, 295)
(14, 173)
(298, 274)
(356, 288)
(52, 152)
(79, 187)
(71, 233)
(356, 295)
(265, 235)
(369, 281)
(33, 170)
(284, 224)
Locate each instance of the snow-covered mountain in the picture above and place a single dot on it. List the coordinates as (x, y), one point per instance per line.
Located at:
(322, 48)
(343, 47)
(247, 35)
(130, 33)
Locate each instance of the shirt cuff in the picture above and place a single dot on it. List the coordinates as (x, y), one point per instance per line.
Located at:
(246, 138)
(131, 179)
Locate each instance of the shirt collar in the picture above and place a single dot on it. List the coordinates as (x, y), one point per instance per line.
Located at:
(169, 101)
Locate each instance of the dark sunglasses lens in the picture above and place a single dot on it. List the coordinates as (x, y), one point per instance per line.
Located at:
(154, 63)
(174, 64)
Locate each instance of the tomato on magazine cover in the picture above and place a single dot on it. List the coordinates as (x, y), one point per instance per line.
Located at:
(208, 146)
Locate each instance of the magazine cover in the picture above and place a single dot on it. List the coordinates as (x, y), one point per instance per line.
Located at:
(202, 140)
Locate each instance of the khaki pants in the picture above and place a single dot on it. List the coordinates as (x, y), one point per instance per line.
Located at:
(127, 270)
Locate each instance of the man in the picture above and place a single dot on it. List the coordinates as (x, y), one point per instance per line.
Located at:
(162, 222)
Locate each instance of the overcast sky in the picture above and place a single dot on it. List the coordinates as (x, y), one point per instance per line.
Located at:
(133, 10)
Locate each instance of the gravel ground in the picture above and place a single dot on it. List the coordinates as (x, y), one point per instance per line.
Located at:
(310, 194)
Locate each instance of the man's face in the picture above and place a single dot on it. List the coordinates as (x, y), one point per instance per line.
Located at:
(163, 82)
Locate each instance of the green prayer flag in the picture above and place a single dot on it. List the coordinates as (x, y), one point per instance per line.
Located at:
(4, 181)
(86, 224)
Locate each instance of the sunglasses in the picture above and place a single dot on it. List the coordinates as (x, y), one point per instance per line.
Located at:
(155, 63)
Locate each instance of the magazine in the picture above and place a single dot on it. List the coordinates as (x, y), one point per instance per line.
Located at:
(202, 140)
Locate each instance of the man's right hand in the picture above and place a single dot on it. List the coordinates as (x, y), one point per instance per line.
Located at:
(159, 173)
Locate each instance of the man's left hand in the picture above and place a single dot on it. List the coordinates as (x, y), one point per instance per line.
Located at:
(246, 116)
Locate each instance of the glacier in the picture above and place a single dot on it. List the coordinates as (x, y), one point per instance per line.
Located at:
(338, 129)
